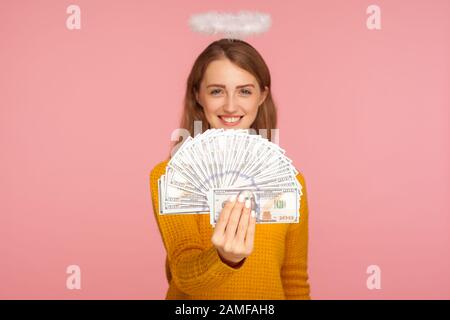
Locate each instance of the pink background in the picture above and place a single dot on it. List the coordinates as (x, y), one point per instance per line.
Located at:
(86, 114)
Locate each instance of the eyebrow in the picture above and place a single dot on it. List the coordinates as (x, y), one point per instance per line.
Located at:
(222, 86)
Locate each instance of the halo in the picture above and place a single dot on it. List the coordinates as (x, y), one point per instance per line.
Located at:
(233, 26)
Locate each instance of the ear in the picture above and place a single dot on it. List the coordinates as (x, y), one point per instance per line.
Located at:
(264, 95)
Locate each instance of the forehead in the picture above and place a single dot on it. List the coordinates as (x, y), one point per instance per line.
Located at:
(225, 72)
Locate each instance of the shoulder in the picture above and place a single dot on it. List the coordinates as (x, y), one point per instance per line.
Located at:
(158, 170)
(301, 178)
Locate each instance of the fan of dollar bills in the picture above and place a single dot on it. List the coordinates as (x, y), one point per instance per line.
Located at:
(206, 170)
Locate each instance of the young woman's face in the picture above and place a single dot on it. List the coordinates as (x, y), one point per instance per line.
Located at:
(230, 96)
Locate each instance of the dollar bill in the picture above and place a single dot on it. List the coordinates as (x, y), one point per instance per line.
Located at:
(272, 205)
(217, 162)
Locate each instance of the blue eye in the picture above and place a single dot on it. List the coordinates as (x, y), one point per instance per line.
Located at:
(244, 91)
(215, 90)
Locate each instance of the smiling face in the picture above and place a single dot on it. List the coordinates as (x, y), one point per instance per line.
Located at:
(230, 96)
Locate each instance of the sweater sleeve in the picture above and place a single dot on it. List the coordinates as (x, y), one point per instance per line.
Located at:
(194, 269)
(294, 273)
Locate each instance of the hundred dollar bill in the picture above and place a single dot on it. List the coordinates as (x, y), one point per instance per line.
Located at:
(182, 207)
(272, 205)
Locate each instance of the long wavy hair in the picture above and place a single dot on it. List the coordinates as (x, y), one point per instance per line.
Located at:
(244, 56)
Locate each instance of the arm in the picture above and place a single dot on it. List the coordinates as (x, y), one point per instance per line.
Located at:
(194, 269)
(294, 273)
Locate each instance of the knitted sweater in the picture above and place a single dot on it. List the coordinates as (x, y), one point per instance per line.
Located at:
(276, 269)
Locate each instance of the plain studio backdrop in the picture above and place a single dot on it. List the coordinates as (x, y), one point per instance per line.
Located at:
(86, 114)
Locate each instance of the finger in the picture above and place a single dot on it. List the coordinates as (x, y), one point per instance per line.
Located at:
(243, 222)
(224, 216)
(249, 237)
(230, 229)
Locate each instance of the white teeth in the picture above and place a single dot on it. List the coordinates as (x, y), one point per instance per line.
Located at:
(231, 119)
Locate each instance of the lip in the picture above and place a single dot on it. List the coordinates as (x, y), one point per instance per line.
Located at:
(228, 124)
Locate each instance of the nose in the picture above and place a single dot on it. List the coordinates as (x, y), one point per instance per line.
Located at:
(230, 106)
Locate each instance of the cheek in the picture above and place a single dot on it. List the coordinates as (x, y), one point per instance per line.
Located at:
(250, 107)
(210, 110)
(212, 106)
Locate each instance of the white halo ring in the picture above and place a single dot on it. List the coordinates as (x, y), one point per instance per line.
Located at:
(238, 26)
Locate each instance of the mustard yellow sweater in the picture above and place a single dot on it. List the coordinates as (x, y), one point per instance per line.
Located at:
(276, 269)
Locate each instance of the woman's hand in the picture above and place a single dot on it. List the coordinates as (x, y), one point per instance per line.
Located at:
(235, 230)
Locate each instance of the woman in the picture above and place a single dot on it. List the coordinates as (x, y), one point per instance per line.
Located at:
(229, 87)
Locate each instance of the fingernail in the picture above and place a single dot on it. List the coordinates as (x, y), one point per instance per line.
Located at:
(253, 213)
(232, 198)
(241, 198)
(247, 203)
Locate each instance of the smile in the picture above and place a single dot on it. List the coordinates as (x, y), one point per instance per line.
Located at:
(230, 120)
